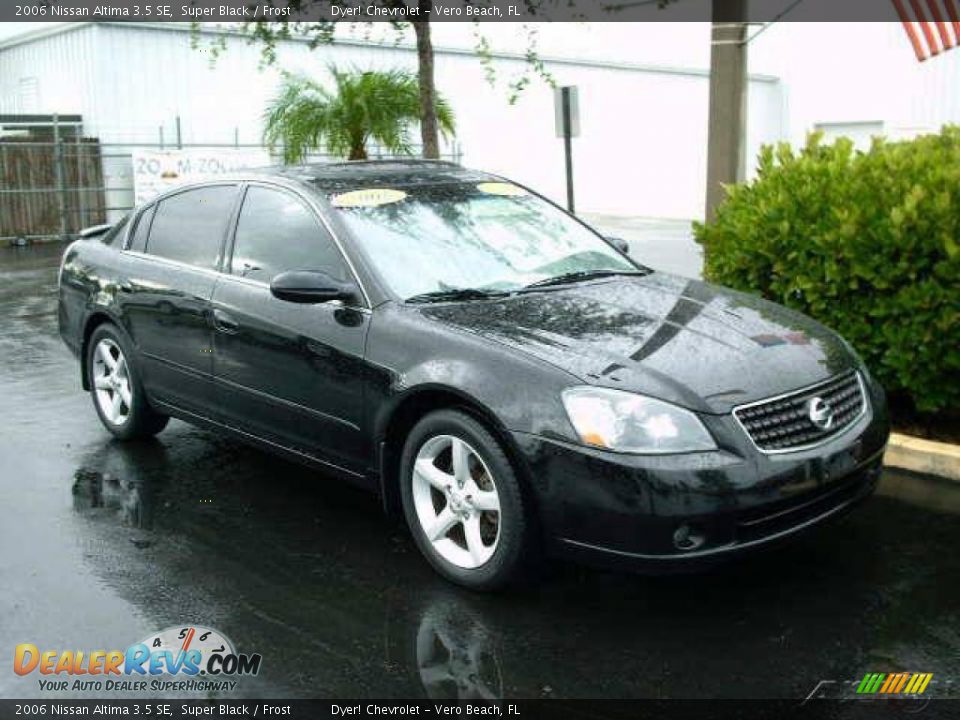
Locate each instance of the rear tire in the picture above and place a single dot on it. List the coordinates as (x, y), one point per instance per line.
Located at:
(463, 502)
(115, 386)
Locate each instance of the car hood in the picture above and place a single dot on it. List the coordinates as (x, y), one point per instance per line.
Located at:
(698, 345)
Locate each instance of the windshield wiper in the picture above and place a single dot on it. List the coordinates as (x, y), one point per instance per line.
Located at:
(456, 294)
(578, 275)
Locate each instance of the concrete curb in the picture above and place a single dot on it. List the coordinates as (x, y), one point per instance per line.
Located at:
(923, 456)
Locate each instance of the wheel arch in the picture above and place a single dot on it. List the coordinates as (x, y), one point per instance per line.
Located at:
(414, 406)
(94, 321)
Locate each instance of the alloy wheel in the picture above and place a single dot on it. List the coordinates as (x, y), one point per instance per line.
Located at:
(111, 381)
(456, 501)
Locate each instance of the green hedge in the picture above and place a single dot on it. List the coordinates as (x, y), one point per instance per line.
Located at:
(866, 242)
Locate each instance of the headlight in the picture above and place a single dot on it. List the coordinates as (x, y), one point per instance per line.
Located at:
(629, 423)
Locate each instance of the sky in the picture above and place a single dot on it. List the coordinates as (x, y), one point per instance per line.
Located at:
(7, 29)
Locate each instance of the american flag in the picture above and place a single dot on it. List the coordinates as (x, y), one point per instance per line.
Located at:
(933, 26)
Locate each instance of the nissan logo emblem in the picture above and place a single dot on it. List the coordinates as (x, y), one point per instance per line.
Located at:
(820, 413)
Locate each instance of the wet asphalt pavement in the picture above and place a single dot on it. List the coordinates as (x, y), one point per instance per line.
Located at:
(103, 543)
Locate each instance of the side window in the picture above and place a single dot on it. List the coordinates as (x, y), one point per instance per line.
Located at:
(277, 232)
(138, 241)
(189, 226)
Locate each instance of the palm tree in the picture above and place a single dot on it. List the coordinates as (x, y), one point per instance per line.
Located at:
(377, 105)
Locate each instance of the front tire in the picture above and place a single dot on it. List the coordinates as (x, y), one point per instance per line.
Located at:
(463, 502)
(115, 387)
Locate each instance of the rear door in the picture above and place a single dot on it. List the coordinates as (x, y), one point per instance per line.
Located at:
(290, 373)
(173, 259)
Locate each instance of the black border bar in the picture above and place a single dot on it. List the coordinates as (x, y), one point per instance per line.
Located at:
(393, 709)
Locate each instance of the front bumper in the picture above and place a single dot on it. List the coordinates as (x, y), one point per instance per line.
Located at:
(678, 511)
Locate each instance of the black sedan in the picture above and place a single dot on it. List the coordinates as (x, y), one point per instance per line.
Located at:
(503, 375)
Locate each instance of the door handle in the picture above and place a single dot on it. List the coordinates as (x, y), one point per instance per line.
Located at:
(224, 323)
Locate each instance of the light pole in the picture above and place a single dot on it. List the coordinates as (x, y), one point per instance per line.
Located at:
(726, 140)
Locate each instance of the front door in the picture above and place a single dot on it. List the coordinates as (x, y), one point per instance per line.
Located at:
(290, 373)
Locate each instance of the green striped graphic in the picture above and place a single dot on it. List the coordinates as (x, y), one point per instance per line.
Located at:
(871, 683)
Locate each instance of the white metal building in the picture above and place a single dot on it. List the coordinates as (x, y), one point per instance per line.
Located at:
(643, 127)
(643, 95)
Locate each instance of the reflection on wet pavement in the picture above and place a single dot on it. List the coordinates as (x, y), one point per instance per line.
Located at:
(105, 542)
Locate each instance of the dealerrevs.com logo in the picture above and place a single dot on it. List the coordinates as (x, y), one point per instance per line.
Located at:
(190, 658)
(919, 687)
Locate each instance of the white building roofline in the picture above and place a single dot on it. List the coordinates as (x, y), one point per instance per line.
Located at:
(54, 28)
(58, 29)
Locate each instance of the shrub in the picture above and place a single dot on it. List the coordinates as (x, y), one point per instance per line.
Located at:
(866, 242)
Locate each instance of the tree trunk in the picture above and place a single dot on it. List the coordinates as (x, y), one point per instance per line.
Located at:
(358, 147)
(428, 110)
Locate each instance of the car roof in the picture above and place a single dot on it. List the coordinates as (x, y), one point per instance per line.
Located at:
(355, 174)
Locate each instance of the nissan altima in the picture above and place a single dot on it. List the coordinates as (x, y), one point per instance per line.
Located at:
(505, 377)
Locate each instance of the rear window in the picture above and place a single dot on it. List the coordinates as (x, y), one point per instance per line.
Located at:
(188, 227)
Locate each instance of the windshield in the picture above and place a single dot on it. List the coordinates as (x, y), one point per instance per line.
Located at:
(486, 236)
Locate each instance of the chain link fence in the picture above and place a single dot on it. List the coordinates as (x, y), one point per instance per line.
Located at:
(55, 182)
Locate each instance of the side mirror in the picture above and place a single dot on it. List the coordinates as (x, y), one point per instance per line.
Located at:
(619, 243)
(304, 286)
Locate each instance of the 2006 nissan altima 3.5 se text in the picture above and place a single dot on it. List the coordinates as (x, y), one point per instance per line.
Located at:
(507, 378)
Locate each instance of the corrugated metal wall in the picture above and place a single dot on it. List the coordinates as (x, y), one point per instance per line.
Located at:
(55, 72)
(641, 151)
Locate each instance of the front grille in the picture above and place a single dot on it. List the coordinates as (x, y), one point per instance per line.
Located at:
(783, 423)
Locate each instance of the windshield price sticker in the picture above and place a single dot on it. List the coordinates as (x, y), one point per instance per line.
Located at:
(501, 188)
(369, 197)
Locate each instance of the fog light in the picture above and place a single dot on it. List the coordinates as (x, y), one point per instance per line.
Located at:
(688, 538)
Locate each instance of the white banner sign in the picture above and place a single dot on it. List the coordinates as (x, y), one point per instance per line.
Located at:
(155, 171)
